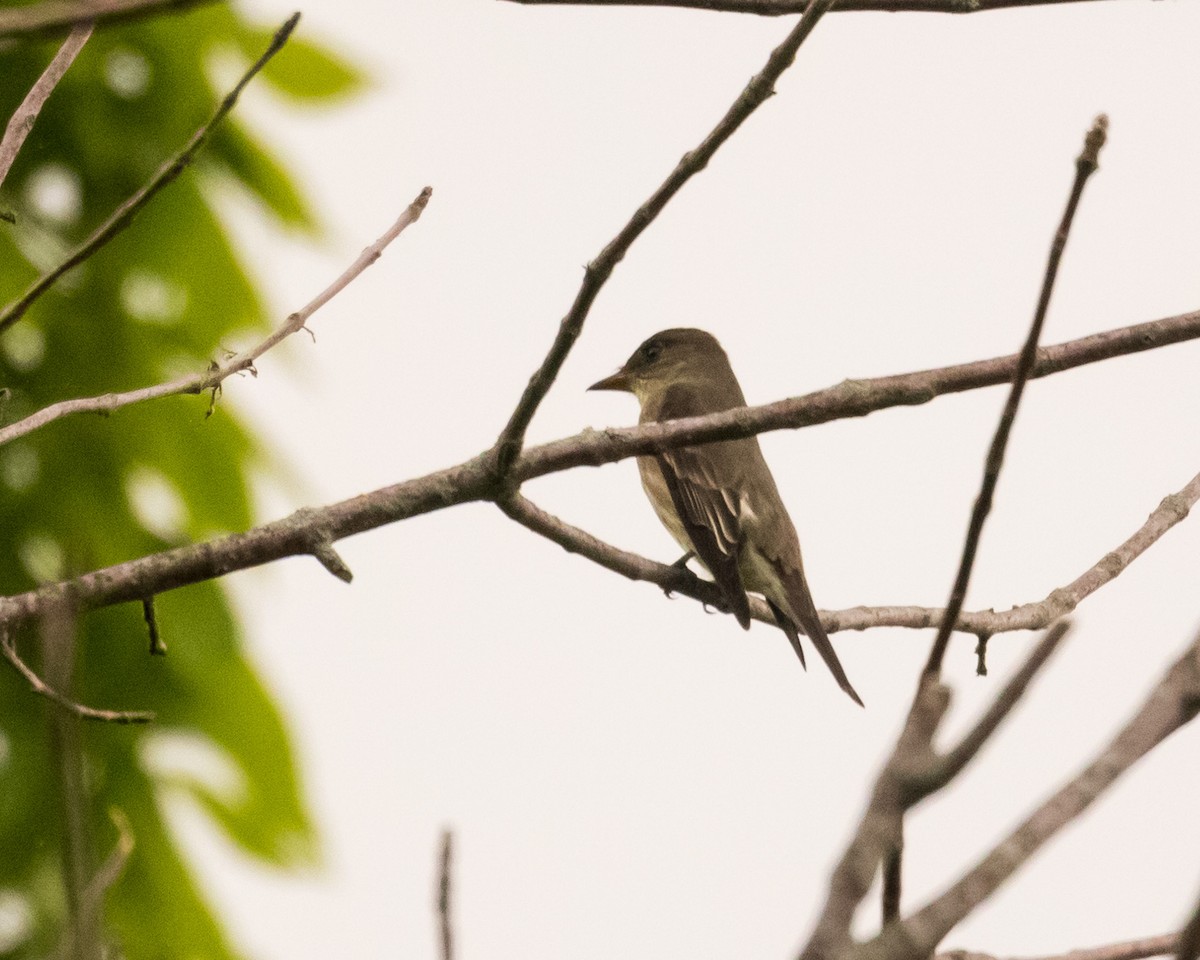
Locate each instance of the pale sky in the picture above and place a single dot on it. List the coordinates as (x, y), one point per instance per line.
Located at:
(626, 775)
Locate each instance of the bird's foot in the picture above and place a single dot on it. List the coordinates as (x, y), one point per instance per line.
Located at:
(680, 564)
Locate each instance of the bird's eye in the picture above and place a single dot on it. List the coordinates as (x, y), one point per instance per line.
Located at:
(650, 352)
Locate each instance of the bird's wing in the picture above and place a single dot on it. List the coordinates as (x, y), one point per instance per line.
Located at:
(709, 512)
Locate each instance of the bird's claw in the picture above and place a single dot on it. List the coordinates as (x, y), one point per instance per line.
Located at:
(680, 564)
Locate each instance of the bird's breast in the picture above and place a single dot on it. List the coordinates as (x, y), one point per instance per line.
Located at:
(659, 496)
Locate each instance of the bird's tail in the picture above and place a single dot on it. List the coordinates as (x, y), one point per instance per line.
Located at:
(810, 622)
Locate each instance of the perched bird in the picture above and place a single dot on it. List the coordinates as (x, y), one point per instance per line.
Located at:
(719, 500)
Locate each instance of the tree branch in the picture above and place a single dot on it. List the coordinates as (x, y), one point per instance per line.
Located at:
(850, 398)
(123, 216)
(1173, 702)
(23, 119)
(445, 923)
(9, 651)
(1085, 166)
(913, 771)
(303, 532)
(761, 86)
(1126, 950)
(1029, 616)
(779, 8)
(55, 16)
(219, 371)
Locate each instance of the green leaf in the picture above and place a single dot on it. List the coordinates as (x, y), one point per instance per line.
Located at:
(303, 70)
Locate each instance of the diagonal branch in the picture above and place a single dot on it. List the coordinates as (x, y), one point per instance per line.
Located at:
(123, 216)
(1173, 702)
(23, 119)
(55, 16)
(1085, 166)
(910, 774)
(219, 371)
(761, 86)
(778, 8)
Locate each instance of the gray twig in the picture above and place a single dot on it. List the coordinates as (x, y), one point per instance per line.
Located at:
(219, 371)
(23, 119)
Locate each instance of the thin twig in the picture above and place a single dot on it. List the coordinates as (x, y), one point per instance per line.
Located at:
(779, 8)
(22, 121)
(445, 923)
(952, 763)
(760, 87)
(1029, 616)
(55, 16)
(1085, 166)
(1173, 702)
(169, 171)
(218, 371)
(157, 647)
(41, 688)
(1126, 950)
(108, 874)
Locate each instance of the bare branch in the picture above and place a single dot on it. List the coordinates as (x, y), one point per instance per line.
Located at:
(1173, 702)
(1127, 950)
(169, 171)
(22, 121)
(761, 86)
(445, 924)
(952, 763)
(1085, 166)
(474, 480)
(56, 16)
(912, 772)
(1029, 616)
(850, 398)
(218, 371)
(42, 689)
(779, 8)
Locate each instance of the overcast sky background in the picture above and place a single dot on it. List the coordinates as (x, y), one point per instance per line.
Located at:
(626, 775)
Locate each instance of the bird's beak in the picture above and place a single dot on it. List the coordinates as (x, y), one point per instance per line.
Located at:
(618, 381)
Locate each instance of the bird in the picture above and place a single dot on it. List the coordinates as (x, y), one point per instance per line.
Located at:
(719, 500)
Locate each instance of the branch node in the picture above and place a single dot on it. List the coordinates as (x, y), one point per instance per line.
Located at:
(322, 549)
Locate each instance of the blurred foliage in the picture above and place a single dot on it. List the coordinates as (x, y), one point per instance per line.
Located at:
(85, 492)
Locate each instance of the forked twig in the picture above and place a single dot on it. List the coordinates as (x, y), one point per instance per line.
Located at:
(168, 172)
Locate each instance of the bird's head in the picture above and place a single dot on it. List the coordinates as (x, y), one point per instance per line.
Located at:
(682, 356)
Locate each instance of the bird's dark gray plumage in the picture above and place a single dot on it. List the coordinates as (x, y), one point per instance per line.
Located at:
(719, 500)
